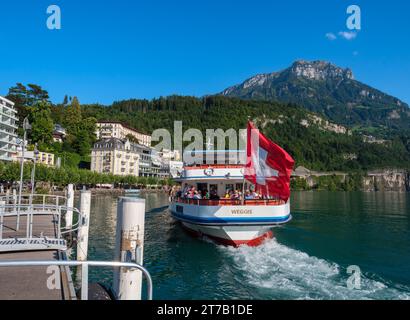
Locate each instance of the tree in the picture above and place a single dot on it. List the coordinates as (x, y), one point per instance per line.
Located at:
(81, 143)
(72, 117)
(25, 97)
(42, 124)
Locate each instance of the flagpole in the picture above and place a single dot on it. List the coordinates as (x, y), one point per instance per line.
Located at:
(244, 169)
(243, 187)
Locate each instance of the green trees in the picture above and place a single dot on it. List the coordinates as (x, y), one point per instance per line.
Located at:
(25, 97)
(312, 147)
(42, 123)
(80, 130)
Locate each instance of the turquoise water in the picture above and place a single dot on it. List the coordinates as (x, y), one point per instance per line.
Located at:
(308, 259)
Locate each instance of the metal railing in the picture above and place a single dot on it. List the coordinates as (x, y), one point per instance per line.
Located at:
(30, 206)
(84, 270)
(229, 202)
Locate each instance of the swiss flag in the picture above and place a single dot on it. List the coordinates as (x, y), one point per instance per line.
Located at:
(268, 166)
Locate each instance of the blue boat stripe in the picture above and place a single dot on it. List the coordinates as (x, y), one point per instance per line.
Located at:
(232, 220)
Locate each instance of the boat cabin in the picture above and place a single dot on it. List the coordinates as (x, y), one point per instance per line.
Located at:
(214, 175)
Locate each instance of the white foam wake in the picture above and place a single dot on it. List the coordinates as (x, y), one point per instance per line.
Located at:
(280, 272)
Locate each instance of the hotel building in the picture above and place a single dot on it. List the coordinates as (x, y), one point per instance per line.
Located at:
(115, 156)
(43, 158)
(119, 130)
(8, 127)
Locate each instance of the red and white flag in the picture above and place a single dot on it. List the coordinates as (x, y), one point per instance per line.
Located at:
(268, 166)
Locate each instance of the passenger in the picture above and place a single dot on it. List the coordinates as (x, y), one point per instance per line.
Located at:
(206, 195)
(235, 195)
(197, 195)
(179, 193)
(185, 191)
(248, 195)
(191, 193)
(214, 195)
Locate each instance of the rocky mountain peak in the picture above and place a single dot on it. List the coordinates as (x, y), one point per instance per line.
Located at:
(320, 70)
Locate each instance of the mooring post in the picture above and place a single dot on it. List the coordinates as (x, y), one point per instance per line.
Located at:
(82, 241)
(70, 205)
(129, 247)
(15, 209)
(2, 212)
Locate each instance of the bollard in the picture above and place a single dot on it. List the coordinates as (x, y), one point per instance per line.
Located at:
(15, 209)
(70, 205)
(129, 247)
(82, 241)
(85, 206)
(2, 212)
(14, 196)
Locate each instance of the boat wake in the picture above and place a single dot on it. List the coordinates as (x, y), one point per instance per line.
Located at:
(279, 272)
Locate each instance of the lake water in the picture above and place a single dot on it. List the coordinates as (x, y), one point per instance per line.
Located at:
(308, 259)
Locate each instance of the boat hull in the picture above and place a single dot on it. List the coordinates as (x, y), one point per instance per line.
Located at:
(231, 225)
(230, 236)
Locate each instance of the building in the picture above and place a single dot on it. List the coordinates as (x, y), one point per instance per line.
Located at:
(8, 127)
(43, 158)
(145, 164)
(59, 133)
(115, 156)
(119, 130)
(123, 157)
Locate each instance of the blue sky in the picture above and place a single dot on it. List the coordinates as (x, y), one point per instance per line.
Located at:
(112, 50)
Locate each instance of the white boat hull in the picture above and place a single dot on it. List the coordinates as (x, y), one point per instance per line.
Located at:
(231, 225)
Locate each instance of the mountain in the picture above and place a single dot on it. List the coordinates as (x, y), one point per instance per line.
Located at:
(330, 90)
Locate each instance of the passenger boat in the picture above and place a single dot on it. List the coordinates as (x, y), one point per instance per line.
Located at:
(227, 221)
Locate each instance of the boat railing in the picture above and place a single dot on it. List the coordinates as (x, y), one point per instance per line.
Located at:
(84, 270)
(13, 210)
(214, 166)
(230, 202)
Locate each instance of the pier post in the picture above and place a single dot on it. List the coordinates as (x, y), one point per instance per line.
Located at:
(129, 247)
(70, 205)
(15, 209)
(82, 241)
(2, 212)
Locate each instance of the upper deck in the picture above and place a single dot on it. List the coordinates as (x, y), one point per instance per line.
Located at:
(212, 172)
(210, 165)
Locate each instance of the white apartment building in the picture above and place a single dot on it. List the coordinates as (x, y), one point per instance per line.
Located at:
(119, 130)
(115, 156)
(8, 127)
(43, 158)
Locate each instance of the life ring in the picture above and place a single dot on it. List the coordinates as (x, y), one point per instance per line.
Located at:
(209, 172)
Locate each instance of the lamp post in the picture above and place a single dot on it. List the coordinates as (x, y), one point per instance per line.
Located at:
(26, 127)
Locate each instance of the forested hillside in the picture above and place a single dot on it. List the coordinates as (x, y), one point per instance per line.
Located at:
(310, 144)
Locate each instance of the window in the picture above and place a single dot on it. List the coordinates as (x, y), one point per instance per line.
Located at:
(229, 187)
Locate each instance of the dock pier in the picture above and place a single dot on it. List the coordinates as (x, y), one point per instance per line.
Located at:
(34, 234)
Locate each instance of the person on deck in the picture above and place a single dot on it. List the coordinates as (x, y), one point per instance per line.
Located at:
(197, 195)
(248, 195)
(213, 195)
